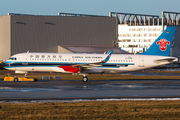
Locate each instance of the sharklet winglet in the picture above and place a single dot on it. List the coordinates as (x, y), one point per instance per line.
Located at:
(108, 57)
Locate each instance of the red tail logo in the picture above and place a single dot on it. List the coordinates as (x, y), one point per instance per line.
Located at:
(163, 44)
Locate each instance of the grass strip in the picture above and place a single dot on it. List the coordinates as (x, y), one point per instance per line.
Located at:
(99, 110)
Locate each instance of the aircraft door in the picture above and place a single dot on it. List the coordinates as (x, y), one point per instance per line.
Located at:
(72, 60)
(25, 60)
(69, 60)
(141, 61)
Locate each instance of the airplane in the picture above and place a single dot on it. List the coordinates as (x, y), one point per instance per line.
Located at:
(83, 64)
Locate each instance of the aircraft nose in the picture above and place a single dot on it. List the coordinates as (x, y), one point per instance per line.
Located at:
(3, 64)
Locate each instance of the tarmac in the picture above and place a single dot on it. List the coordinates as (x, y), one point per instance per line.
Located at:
(93, 89)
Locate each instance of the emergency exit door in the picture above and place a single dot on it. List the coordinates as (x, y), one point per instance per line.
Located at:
(141, 61)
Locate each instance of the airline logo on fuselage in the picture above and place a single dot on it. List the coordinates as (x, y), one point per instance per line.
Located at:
(163, 44)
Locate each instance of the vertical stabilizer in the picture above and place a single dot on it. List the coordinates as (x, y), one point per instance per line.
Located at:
(162, 44)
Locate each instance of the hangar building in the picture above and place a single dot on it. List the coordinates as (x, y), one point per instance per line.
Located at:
(20, 33)
(136, 32)
(75, 33)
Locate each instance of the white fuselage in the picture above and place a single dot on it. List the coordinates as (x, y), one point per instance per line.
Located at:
(52, 62)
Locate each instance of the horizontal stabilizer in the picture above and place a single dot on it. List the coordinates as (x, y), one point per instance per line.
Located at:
(168, 59)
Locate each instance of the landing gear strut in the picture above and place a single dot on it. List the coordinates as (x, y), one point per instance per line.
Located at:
(85, 78)
(26, 74)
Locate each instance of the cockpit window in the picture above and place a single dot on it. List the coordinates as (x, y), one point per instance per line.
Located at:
(12, 58)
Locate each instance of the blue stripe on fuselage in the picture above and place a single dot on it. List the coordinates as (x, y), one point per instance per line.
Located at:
(11, 64)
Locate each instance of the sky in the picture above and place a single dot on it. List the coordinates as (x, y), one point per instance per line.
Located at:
(90, 7)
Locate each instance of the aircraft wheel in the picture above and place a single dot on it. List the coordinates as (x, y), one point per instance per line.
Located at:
(35, 79)
(85, 79)
(15, 79)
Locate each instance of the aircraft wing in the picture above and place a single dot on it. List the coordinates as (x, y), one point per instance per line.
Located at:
(88, 68)
(90, 65)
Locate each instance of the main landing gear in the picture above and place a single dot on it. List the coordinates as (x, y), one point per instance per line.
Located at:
(85, 78)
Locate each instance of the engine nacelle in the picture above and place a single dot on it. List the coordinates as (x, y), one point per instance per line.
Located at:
(96, 70)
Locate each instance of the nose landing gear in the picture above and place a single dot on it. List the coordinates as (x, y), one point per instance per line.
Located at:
(26, 74)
